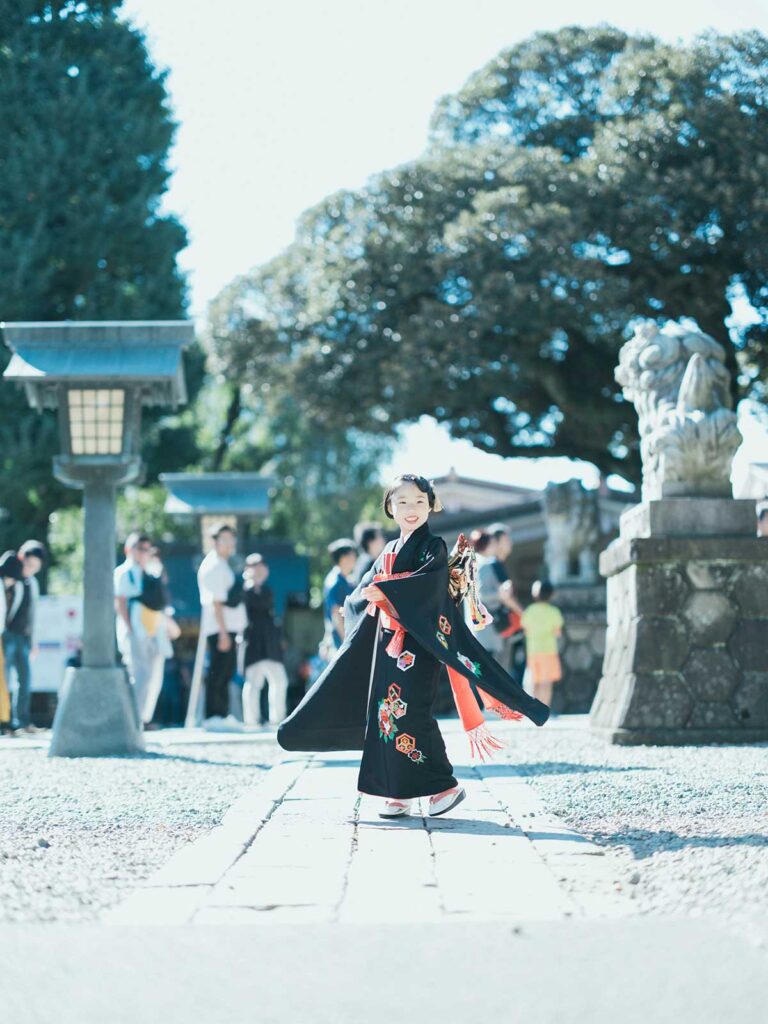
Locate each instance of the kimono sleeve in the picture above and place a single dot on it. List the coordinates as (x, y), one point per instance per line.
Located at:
(426, 610)
(355, 605)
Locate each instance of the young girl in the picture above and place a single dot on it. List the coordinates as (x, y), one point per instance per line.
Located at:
(377, 695)
(542, 625)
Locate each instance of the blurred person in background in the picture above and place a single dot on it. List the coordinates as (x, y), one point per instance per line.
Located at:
(20, 634)
(10, 575)
(337, 587)
(543, 626)
(222, 621)
(762, 522)
(263, 647)
(489, 591)
(370, 538)
(144, 628)
(508, 623)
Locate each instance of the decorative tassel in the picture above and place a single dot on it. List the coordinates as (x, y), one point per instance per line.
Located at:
(498, 708)
(482, 743)
(395, 645)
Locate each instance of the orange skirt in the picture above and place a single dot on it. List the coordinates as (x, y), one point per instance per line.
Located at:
(545, 668)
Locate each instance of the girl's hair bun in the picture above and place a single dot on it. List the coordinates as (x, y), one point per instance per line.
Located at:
(424, 485)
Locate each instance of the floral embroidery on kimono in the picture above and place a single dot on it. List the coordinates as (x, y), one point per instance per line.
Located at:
(406, 744)
(473, 666)
(406, 661)
(391, 708)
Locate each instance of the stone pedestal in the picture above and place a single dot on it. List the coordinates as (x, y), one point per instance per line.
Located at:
(686, 657)
(96, 715)
(582, 645)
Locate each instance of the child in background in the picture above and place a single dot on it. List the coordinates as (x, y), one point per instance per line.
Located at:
(542, 624)
(263, 648)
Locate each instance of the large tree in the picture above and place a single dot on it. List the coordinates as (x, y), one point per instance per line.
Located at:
(85, 132)
(581, 180)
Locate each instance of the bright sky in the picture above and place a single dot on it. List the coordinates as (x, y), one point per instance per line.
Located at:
(281, 103)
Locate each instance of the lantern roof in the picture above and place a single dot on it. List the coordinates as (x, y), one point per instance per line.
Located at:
(239, 494)
(142, 353)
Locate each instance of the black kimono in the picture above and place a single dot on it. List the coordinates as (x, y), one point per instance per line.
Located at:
(377, 694)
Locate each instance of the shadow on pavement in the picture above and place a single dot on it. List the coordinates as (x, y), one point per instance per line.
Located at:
(467, 826)
(645, 844)
(234, 763)
(558, 768)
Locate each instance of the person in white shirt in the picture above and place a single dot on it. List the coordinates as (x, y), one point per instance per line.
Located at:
(222, 620)
(142, 632)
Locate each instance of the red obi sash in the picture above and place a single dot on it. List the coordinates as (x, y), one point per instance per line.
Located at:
(388, 618)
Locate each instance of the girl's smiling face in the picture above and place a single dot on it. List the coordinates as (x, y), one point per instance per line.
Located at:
(409, 507)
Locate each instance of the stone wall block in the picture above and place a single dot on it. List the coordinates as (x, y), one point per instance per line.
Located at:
(711, 715)
(578, 656)
(709, 575)
(710, 617)
(577, 695)
(750, 699)
(749, 645)
(597, 641)
(577, 632)
(749, 590)
(617, 657)
(659, 644)
(661, 590)
(710, 673)
(660, 700)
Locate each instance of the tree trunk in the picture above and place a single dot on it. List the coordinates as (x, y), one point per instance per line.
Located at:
(233, 414)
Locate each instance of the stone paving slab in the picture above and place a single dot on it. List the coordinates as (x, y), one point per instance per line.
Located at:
(175, 892)
(561, 972)
(304, 845)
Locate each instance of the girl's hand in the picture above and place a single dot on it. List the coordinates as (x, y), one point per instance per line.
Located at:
(372, 593)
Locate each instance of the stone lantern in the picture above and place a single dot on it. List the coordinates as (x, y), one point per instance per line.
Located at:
(236, 499)
(98, 376)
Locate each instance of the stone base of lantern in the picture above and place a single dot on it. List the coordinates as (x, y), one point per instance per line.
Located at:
(96, 715)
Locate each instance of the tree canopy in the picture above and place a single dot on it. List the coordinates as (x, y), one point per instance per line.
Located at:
(327, 475)
(85, 132)
(583, 179)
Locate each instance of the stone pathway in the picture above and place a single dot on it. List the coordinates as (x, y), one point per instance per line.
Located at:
(303, 846)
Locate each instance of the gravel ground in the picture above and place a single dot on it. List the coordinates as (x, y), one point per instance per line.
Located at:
(688, 826)
(77, 834)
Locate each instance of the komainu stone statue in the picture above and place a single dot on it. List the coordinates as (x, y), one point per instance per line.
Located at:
(573, 532)
(687, 594)
(677, 380)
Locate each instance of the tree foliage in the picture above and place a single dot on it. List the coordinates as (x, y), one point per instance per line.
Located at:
(327, 476)
(581, 180)
(85, 130)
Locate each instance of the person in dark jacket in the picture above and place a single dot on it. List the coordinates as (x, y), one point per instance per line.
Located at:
(10, 575)
(263, 646)
(20, 636)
